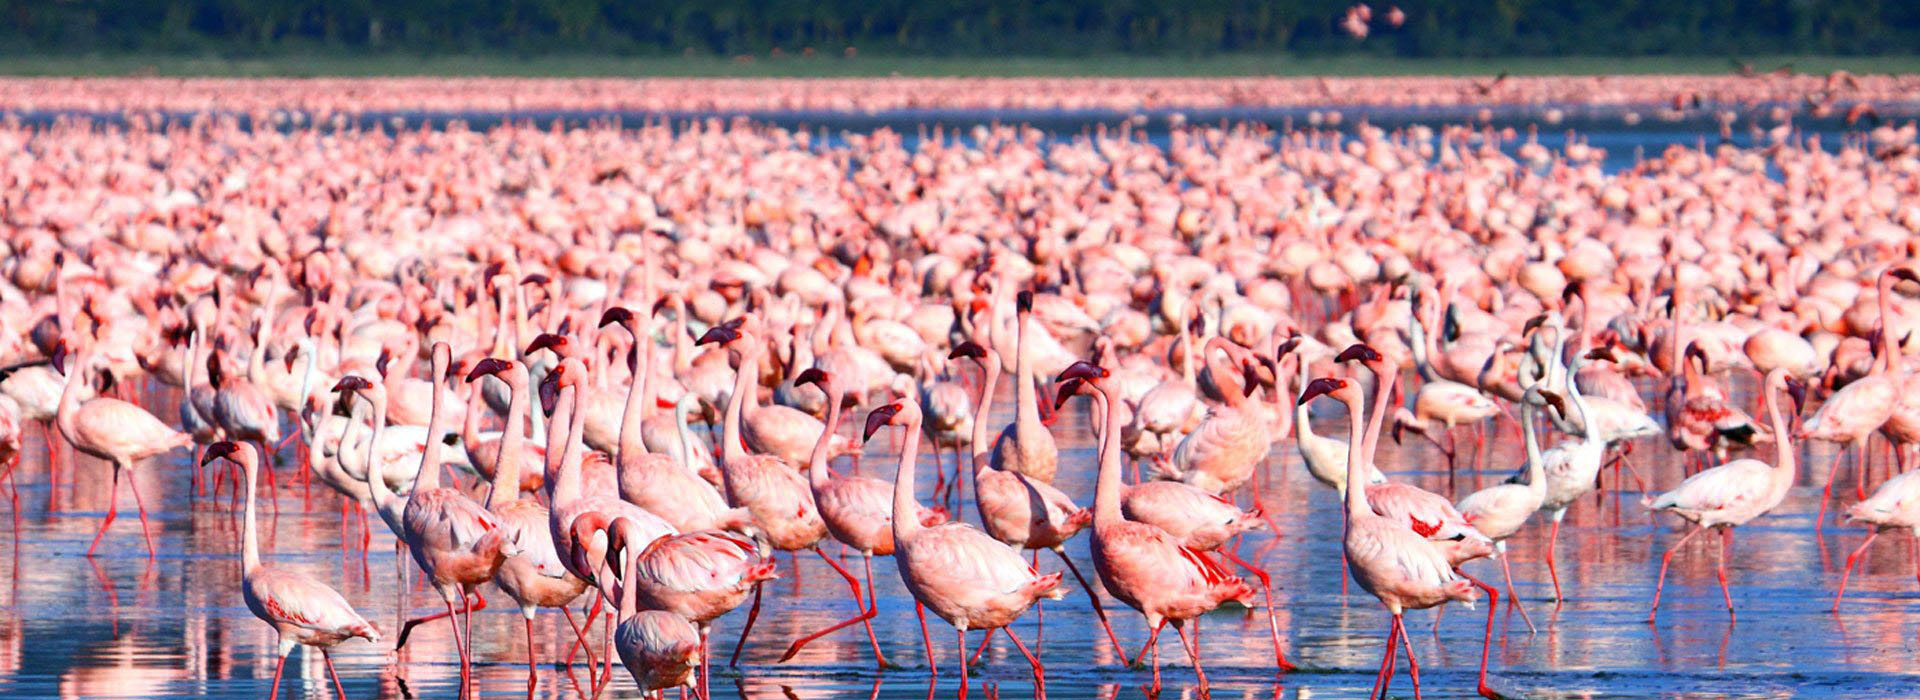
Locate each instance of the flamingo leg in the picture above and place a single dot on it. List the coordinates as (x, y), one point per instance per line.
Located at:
(406, 629)
(1098, 610)
(1726, 543)
(865, 615)
(962, 649)
(53, 467)
(1193, 651)
(453, 621)
(533, 681)
(1513, 599)
(1413, 666)
(337, 686)
(933, 663)
(141, 507)
(1486, 638)
(1273, 624)
(1384, 679)
(277, 669)
(752, 614)
(1833, 472)
(1553, 571)
(1664, 560)
(113, 498)
(1039, 671)
(580, 635)
(985, 642)
(1153, 648)
(1345, 574)
(1851, 560)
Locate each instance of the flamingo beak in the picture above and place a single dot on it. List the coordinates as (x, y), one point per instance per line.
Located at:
(545, 341)
(718, 334)
(487, 366)
(218, 450)
(879, 417)
(1798, 391)
(60, 359)
(1358, 351)
(550, 388)
(1318, 387)
(1903, 272)
(615, 315)
(812, 375)
(1287, 346)
(1083, 370)
(1604, 352)
(1067, 390)
(1023, 302)
(536, 279)
(352, 383)
(967, 349)
(1533, 323)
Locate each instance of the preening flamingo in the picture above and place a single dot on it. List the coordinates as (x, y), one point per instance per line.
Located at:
(964, 576)
(301, 609)
(1734, 493)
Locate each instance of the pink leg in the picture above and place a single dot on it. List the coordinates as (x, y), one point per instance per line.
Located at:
(141, 505)
(1413, 666)
(933, 662)
(406, 629)
(113, 498)
(53, 467)
(1833, 472)
(753, 613)
(337, 686)
(865, 615)
(533, 681)
(277, 669)
(1513, 599)
(1098, 610)
(1851, 560)
(1273, 624)
(986, 641)
(1553, 538)
(963, 664)
(580, 635)
(1384, 679)
(1486, 638)
(1039, 671)
(1153, 649)
(1726, 542)
(1193, 651)
(453, 621)
(1664, 560)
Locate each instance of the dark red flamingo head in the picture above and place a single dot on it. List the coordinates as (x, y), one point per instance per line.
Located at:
(1023, 302)
(1287, 346)
(880, 417)
(723, 334)
(59, 359)
(1067, 391)
(1359, 351)
(1694, 352)
(1798, 392)
(815, 376)
(550, 386)
(491, 366)
(968, 349)
(1532, 323)
(617, 314)
(1323, 386)
(1903, 272)
(352, 383)
(548, 341)
(380, 363)
(1083, 370)
(1604, 352)
(536, 279)
(1553, 399)
(218, 450)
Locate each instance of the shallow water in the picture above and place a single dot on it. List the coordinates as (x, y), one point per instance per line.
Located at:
(120, 626)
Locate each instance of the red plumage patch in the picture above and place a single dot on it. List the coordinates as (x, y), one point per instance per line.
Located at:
(1423, 529)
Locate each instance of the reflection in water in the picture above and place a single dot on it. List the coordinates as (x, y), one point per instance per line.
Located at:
(120, 626)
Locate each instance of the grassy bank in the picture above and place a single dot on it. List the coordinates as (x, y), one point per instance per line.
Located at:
(864, 66)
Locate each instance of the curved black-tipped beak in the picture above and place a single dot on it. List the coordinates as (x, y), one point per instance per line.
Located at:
(545, 341)
(1249, 379)
(1798, 391)
(812, 375)
(718, 334)
(550, 388)
(1066, 392)
(967, 349)
(1287, 346)
(1553, 399)
(380, 365)
(878, 418)
(1604, 352)
(536, 279)
(352, 383)
(1321, 386)
(487, 366)
(218, 450)
(615, 314)
(1904, 272)
(1082, 370)
(60, 359)
(1358, 351)
(1533, 323)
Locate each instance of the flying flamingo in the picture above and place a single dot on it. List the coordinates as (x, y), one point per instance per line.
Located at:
(1142, 565)
(1026, 446)
(113, 430)
(1895, 505)
(534, 577)
(1023, 512)
(856, 511)
(1731, 494)
(964, 576)
(1388, 559)
(300, 608)
(457, 543)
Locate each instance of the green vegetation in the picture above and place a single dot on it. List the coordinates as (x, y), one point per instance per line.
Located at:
(704, 37)
(702, 66)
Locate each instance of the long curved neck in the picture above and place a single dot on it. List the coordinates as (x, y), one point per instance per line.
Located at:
(1220, 373)
(1587, 431)
(1187, 370)
(817, 462)
(250, 538)
(1107, 490)
(70, 393)
(1382, 405)
(631, 446)
(1673, 348)
(1356, 478)
(1418, 329)
(982, 417)
(1889, 356)
(428, 475)
(1302, 420)
(376, 476)
(506, 461)
(629, 586)
(685, 434)
(187, 362)
(1782, 440)
(1536, 466)
(743, 380)
(906, 522)
(564, 486)
(1026, 400)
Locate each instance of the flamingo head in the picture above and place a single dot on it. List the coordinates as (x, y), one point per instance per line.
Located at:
(968, 349)
(1798, 391)
(1553, 399)
(352, 383)
(1067, 391)
(616, 314)
(662, 302)
(491, 366)
(559, 376)
(59, 359)
(1604, 352)
(1903, 272)
(723, 334)
(1532, 324)
(1287, 346)
(1083, 370)
(536, 279)
(218, 450)
(880, 417)
(1023, 302)
(289, 358)
(547, 341)
(1359, 351)
(1326, 386)
(815, 376)
(380, 363)
(1694, 351)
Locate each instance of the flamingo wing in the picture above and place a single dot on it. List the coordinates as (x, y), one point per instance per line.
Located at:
(1737, 483)
(283, 597)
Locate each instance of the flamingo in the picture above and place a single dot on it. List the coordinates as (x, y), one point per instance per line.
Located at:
(113, 430)
(534, 577)
(1895, 505)
(1026, 446)
(963, 575)
(1734, 493)
(1324, 457)
(1142, 565)
(301, 609)
(663, 484)
(856, 511)
(660, 649)
(1861, 407)
(1222, 454)
(1500, 510)
(698, 576)
(1388, 559)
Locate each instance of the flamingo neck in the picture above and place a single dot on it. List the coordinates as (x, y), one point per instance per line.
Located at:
(506, 460)
(817, 462)
(564, 486)
(730, 447)
(1106, 493)
(1302, 421)
(1356, 479)
(1888, 349)
(428, 474)
(1026, 401)
(250, 537)
(906, 520)
(634, 413)
(1536, 465)
(1782, 440)
(980, 445)
(1417, 327)
(376, 472)
(1382, 403)
(1233, 396)
(685, 434)
(1588, 432)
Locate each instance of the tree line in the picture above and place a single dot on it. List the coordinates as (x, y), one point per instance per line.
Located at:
(1429, 28)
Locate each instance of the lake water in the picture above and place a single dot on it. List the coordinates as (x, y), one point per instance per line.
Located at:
(121, 626)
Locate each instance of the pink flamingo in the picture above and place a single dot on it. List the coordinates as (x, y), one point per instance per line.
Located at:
(1499, 511)
(242, 409)
(1388, 559)
(1854, 412)
(535, 577)
(1023, 512)
(964, 576)
(856, 511)
(699, 576)
(660, 483)
(660, 649)
(301, 609)
(457, 543)
(1731, 494)
(1895, 505)
(1222, 454)
(1142, 565)
(113, 430)
(1026, 446)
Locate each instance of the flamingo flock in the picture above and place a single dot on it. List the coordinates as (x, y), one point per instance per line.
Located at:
(605, 370)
